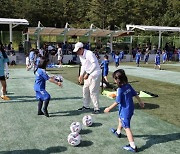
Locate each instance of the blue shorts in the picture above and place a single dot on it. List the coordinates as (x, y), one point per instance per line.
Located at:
(157, 63)
(105, 73)
(125, 122)
(42, 95)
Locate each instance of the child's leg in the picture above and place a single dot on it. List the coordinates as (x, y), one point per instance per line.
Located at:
(129, 134)
(3, 90)
(155, 66)
(131, 147)
(46, 103)
(106, 80)
(119, 128)
(40, 104)
(126, 126)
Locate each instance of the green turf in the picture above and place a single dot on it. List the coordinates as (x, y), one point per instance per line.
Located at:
(22, 131)
(166, 106)
(170, 66)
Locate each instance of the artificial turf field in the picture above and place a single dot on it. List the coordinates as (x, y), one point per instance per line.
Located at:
(22, 131)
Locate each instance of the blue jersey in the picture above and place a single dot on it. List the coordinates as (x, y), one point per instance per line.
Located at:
(40, 80)
(124, 99)
(164, 56)
(2, 62)
(105, 65)
(116, 58)
(146, 57)
(121, 55)
(31, 56)
(37, 61)
(157, 59)
(138, 56)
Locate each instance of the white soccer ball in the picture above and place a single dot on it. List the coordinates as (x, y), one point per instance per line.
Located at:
(58, 78)
(87, 120)
(74, 139)
(75, 127)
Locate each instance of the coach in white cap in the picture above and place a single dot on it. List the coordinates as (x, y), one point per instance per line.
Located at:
(91, 74)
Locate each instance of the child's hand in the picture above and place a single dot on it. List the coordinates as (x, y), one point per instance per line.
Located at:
(141, 104)
(59, 84)
(106, 110)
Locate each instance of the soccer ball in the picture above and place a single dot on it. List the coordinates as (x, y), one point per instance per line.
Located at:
(75, 127)
(58, 78)
(87, 120)
(74, 139)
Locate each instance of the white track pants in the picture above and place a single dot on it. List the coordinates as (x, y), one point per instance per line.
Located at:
(91, 91)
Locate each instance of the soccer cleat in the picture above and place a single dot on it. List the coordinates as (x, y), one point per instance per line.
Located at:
(40, 113)
(129, 148)
(96, 112)
(83, 108)
(46, 113)
(114, 131)
(5, 97)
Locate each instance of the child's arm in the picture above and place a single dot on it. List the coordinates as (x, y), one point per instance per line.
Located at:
(141, 103)
(110, 107)
(51, 79)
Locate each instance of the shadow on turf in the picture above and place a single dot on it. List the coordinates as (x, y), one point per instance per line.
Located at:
(37, 151)
(29, 99)
(76, 112)
(20, 78)
(157, 139)
(85, 131)
(85, 144)
(133, 81)
(148, 106)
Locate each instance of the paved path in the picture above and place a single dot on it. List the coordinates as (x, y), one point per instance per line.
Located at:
(148, 73)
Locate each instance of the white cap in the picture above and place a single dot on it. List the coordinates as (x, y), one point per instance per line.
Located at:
(77, 46)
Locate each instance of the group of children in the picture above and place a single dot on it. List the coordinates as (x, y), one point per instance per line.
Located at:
(157, 59)
(124, 99)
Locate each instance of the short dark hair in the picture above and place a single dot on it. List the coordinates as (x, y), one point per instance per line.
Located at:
(106, 56)
(43, 62)
(120, 77)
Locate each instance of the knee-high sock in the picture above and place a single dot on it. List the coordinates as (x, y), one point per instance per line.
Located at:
(46, 105)
(40, 105)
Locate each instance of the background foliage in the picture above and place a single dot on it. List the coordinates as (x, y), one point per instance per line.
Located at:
(102, 13)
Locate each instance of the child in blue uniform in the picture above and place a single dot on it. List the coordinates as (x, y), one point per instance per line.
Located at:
(164, 54)
(40, 86)
(124, 100)
(116, 57)
(3, 61)
(105, 65)
(138, 56)
(157, 60)
(121, 55)
(146, 56)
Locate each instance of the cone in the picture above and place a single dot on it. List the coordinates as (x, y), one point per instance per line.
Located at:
(147, 94)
